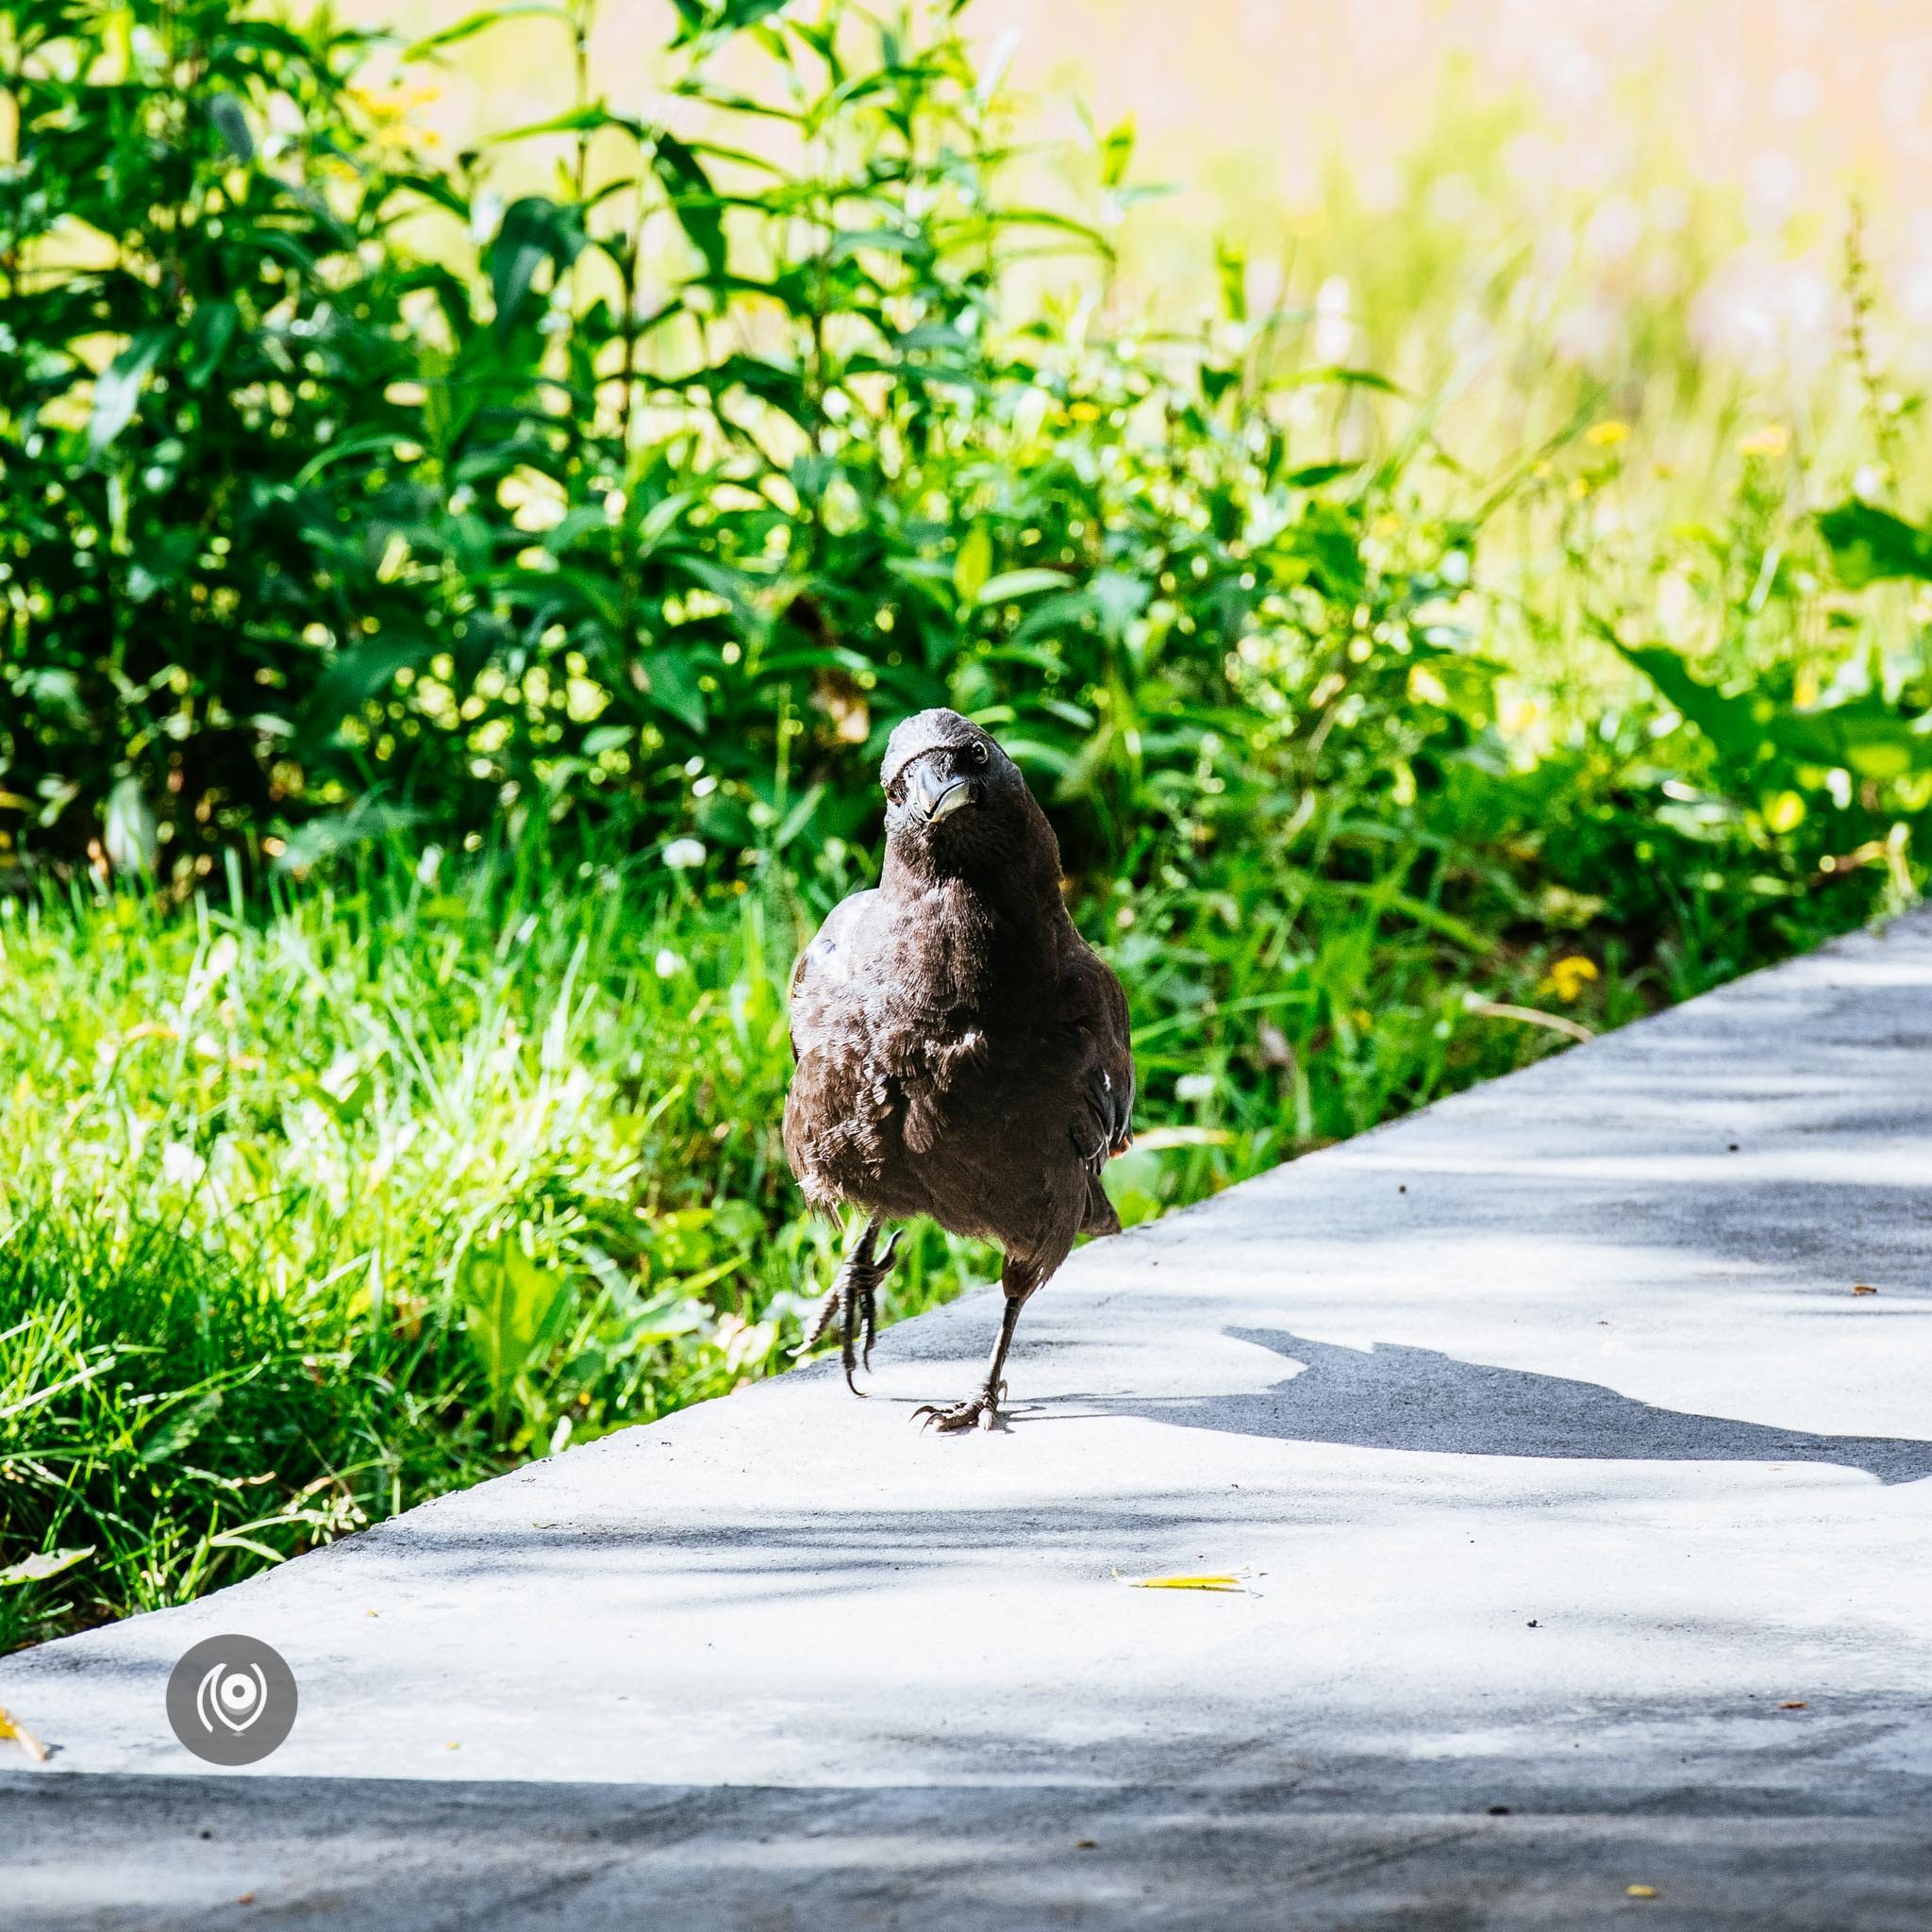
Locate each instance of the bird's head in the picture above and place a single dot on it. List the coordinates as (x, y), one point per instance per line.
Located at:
(951, 792)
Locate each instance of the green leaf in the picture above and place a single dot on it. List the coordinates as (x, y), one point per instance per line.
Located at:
(1063, 611)
(1862, 735)
(234, 1539)
(1331, 541)
(1312, 476)
(1216, 382)
(665, 1318)
(694, 200)
(224, 110)
(1010, 584)
(972, 566)
(357, 674)
(534, 230)
(1116, 150)
(716, 19)
(771, 382)
(671, 682)
(1232, 267)
(515, 1308)
(1345, 378)
(117, 389)
(661, 518)
(38, 1569)
(209, 336)
(1120, 598)
(1868, 543)
(590, 119)
(180, 1427)
(479, 22)
(852, 241)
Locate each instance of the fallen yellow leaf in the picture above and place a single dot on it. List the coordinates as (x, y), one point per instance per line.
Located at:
(1640, 1890)
(1233, 1582)
(10, 1727)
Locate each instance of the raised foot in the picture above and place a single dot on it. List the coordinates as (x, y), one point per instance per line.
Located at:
(982, 1411)
(852, 1302)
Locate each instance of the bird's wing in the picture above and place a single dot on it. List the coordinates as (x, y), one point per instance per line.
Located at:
(825, 969)
(836, 1098)
(1095, 1008)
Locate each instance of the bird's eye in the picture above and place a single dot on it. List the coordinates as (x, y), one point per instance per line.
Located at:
(976, 755)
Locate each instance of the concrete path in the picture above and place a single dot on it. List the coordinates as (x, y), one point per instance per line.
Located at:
(1583, 1508)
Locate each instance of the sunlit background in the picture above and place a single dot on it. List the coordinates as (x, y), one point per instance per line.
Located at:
(1598, 152)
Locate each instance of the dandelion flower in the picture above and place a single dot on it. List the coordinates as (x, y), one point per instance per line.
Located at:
(1568, 978)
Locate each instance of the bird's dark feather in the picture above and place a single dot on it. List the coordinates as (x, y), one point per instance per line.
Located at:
(961, 1052)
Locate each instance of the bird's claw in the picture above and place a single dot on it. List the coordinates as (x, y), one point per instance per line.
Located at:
(853, 1302)
(982, 1411)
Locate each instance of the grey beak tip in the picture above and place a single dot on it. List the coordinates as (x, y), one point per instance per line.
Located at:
(934, 799)
(949, 801)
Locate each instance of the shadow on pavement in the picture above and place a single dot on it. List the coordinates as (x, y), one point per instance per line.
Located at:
(1392, 1396)
(89, 1852)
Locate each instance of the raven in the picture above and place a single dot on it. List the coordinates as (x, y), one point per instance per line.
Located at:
(961, 1052)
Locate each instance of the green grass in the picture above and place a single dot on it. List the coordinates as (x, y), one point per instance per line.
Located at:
(299, 1205)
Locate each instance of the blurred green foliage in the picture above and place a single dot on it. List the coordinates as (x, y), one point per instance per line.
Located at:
(342, 494)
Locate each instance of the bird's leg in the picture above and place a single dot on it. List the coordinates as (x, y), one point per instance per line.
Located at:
(984, 1408)
(854, 1301)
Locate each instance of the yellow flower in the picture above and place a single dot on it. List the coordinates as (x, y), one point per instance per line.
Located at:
(1567, 978)
(393, 104)
(1774, 440)
(1516, 717)
(1608, 435)
(392, 113)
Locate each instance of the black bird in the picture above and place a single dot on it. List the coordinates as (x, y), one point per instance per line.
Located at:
(961, 1050)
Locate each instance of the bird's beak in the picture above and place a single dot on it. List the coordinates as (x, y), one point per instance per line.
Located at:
(932, 795)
